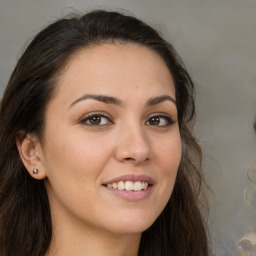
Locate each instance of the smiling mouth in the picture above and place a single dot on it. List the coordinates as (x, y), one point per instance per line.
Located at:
(131, 187)
(128, 185)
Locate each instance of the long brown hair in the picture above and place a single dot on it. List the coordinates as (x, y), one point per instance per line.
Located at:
(25, 220)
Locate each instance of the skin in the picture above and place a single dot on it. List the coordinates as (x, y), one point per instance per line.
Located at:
(78, 157)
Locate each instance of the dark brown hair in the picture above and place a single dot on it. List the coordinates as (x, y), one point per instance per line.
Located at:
(25, 220)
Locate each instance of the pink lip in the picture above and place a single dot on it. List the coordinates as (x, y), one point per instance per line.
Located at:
(132, 195)
(131, 177)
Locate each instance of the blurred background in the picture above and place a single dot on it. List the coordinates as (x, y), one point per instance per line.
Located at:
(217, 41)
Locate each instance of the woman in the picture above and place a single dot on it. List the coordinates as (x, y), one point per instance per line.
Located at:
(96, 154)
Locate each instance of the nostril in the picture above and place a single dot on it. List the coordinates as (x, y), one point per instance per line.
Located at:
(129, 158)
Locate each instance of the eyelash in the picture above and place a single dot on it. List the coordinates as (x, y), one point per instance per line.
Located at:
(99, 116)
(95, 115)
(168, 119)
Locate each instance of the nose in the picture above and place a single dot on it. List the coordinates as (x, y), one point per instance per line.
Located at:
(133, 146)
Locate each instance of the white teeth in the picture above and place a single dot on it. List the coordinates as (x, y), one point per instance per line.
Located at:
(129, 185)
(145, 185)
(121, 185)
(137, 186)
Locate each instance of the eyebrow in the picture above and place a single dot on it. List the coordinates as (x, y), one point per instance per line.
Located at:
(101, 98)
(160, 99)
(118, 102)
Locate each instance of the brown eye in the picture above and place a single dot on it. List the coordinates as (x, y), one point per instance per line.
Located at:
(96, 120)
(161, 121)
(154, 120)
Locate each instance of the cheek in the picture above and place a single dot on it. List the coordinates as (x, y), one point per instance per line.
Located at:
(76, 154)
(73, 165)
(170, 156)
(168, 161)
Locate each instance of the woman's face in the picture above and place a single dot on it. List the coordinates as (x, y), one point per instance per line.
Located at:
(111, 144)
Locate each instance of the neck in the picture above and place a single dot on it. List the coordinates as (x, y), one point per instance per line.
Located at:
(92, 242)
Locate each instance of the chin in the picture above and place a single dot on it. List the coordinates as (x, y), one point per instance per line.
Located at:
(133, 223)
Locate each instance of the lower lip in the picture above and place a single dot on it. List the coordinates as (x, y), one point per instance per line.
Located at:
(132, 195)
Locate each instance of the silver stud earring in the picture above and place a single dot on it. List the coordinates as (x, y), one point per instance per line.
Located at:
(35, 171)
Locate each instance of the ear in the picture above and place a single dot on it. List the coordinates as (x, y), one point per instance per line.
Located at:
(31, 155)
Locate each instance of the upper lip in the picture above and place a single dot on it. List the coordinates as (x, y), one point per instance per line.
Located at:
(131, 177)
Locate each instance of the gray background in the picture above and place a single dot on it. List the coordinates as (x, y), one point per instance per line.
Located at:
(217, 40)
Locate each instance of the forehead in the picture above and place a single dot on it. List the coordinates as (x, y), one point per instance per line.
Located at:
(111, 67)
